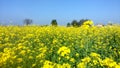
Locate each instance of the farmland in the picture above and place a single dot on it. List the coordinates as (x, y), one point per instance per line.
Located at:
(59, 47)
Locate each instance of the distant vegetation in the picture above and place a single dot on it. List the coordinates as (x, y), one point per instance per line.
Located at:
(73, 23)
(28, 21)
(54, 22)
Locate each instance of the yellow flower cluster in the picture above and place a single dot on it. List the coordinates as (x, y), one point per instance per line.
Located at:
(48, 64)
(110, 63)
(96, 60)
(89, 22)
(64, 51)
(94, 55)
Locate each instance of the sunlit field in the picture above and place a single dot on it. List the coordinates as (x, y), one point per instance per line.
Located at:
(59, 47)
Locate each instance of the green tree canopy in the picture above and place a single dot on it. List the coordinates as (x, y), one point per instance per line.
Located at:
(54, 22)
(28, 21)
(68, 24)
(74, 23)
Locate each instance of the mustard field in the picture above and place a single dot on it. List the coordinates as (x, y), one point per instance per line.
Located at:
(59, 47)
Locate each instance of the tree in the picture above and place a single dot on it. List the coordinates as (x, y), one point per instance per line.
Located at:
(82, 21)
(28, 21)
(54, 23)
(68, 24)
(74, 23)
(110, 23)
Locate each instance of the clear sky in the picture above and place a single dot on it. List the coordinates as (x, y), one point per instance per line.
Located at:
(64, 11)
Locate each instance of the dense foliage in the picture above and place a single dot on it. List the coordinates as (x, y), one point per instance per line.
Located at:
(28, 21)
(75, 23)
(54, 22)
(59, 47)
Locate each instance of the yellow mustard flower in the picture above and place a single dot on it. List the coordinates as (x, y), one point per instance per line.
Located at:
(33, 65)
(77, 54)
(81, 65)
(19, 60)
(66, 65)
(94, 54)
(86, 59)
(72, 59)
(63, 51)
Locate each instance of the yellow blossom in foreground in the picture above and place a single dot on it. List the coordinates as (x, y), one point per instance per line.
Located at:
(117, 66)
(48, 64)
(19, 67)
(59, 66)
(77, 54)
(67, 57)
(55, 41)
(109, 62)
(94, 55)
(95, 62)
(72, 59)
(81, 65)
(30, 57)
(86, 59)
(4, 57)
(66, 65)
(41, 55)
(23, 52)
(33, 65)
(64, 51)
(19, 60)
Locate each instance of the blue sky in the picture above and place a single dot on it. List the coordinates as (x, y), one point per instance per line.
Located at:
(64, 11)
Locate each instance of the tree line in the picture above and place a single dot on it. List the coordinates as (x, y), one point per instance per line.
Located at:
(54, 22)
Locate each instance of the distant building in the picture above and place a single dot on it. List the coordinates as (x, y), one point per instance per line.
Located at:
(99, 25)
